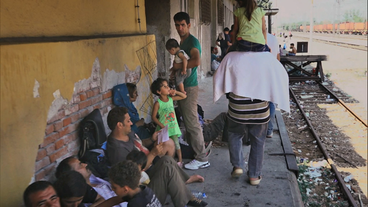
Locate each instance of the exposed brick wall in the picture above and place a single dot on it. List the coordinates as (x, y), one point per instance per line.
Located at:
(61, 133)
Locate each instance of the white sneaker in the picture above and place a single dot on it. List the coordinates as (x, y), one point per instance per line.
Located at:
(195, 165)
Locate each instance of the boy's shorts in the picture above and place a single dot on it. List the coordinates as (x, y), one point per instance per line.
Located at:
(179, 78)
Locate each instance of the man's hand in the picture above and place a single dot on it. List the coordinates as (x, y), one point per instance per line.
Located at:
(157, 150)
(140, 122)
(155, 136)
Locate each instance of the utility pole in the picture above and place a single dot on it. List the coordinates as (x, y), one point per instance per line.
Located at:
(338, 16)
(311, 25)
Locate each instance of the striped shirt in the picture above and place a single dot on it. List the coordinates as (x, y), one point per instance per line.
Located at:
(244, 110)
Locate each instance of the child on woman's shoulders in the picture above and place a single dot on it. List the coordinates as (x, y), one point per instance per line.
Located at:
(250, 32)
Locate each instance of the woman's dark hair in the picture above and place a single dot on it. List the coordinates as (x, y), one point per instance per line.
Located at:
(131, 89)
(249, 5)
(156, 85)
(70, 184)
(138, 157)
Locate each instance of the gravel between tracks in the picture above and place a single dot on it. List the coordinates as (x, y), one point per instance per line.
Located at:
(316, 181)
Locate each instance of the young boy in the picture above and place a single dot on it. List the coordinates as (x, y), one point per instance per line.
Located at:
(140, 159)
(173, 48)
(124, 178)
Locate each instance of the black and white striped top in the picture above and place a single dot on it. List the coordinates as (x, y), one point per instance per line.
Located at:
(244, 110)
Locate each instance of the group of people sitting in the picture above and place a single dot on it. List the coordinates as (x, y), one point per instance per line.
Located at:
(138, 176)
(291, 52)
(143, 171)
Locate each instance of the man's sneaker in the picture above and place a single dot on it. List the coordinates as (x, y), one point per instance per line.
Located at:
(196, 202)
(269, 135)
(195, 165)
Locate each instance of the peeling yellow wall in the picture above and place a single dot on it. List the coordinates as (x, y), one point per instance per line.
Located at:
(55, 66)
(23, 18)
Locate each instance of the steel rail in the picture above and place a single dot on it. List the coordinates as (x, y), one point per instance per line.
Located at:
(343, 104)
(345, 190)
(339, 44)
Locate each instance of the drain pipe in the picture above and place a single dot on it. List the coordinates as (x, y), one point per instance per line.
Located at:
(139, 19)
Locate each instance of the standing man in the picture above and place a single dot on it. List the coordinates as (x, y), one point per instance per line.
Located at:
(272, 44)
(188, 106)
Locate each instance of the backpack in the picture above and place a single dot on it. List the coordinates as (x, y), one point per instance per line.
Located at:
(92, 136)
(91, 132)
(97, 162)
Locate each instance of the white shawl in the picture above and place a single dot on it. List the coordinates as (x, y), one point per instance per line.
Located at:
(257, 75)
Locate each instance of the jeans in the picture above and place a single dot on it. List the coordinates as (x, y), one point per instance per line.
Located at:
(188, 108)
(257, 135)
(272, 118)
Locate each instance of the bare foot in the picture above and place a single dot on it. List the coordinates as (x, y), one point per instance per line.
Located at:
(195, 178)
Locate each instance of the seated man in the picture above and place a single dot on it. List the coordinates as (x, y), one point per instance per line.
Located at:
(122, 139)
(215, 60)
(166, 176)
(124, 178)
(41, 193)
(292, 51)
(102, 187)
(74, 191)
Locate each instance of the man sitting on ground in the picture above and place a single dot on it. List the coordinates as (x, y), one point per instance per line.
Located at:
(215, 60)
(166, 176)
(123, 138)
(41, 193)
(124, 178)
(74, 191)
(102, 187)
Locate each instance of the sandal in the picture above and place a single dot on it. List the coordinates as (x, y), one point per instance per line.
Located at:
(255, 182)
(237, 172)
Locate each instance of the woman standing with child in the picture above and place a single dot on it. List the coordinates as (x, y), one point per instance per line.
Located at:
(248, 114)
(164, 107)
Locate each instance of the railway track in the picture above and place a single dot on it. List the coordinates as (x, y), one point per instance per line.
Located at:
(343, 44)
(319, 132)
(338, 43)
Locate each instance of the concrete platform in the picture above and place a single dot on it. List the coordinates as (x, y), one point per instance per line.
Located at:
(278, 187)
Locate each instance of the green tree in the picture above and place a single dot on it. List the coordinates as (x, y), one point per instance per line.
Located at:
(353, 15)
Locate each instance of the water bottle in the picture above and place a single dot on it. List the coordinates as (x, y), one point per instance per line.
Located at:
(199, 194)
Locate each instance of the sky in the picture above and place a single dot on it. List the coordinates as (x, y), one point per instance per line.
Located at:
(323, 10)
